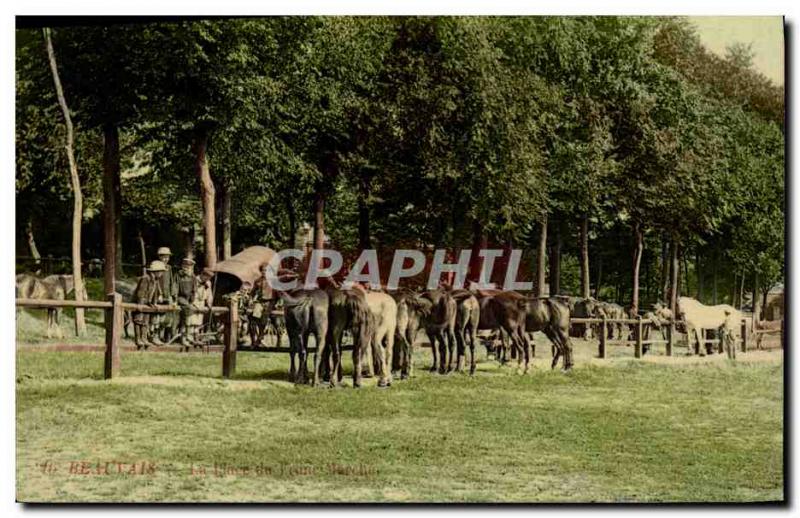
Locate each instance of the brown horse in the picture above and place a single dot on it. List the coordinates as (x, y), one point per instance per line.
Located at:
(506, 311)
(468, 317)
(347, 311)
(52, 287)
(552, 318)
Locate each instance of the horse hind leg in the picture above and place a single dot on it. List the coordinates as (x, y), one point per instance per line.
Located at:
(454, 354)
(434, 352)
(473, 338)
(50, 316)
(556, 347)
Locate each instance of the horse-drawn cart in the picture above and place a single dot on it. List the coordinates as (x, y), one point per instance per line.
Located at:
(240, 276)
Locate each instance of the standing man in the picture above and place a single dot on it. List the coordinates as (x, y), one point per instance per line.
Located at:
(165, 324)
(148, 291)
(187, 289)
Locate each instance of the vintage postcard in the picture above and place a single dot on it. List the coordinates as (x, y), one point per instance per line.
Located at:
(400, 259)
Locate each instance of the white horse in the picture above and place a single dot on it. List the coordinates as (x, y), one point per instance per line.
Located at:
(384, 309)
(699, 317)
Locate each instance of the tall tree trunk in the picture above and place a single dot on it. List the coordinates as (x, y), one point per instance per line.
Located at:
(292, 223)
(207, 195)
(226, 222)
(714, 292)
(741, 290)
(34, 250)
(598, 283)
(77, 208)
(666, 254)
(110, 171)
(116, 180)
(756, 296)
(555, 262)
(188, 236)
(363, 212)
(480, 242)
(142, 252)
(638, 248)
(674, 268)
(319, 219)
(584, 239)
(699, 275)
(541, 256)
(686, 286)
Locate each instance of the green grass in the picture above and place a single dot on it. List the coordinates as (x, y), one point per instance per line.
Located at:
(620, 430)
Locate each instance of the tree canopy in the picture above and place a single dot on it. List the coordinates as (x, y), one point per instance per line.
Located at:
(393, 131)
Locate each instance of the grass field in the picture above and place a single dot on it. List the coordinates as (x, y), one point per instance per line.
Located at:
(619, 430)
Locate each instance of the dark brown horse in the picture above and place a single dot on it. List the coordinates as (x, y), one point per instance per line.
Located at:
(506, 311)
(306, 313)
(552, 318)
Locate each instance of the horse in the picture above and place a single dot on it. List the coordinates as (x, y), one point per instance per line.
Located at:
(468, 317)
(614, 311)
(586, 308)
(306, 312)
(505, 311)
(52, 287)
(409, 321)
(439, 320)
(552, 318)
(698, 317)
(384, 311)
(765, 325)
(347, 310)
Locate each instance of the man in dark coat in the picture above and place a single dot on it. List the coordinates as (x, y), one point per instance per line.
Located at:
(164, 325)
(148, 291)
(187, 289)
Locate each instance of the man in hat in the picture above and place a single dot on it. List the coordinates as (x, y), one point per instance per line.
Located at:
(165, 324)
(187, 290)
(148, 291)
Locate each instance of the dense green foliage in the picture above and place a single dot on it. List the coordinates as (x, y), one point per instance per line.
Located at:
(420, 131)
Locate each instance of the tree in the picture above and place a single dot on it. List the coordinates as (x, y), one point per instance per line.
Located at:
(77, 211)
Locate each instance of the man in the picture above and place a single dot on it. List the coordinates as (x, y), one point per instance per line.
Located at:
(201, 306)
(148, 291)
(187, 289)
(165, 324)
(262, 303)
(245, 302)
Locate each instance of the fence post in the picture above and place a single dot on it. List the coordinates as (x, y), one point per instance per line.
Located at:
(720, 345)
(113, 322)
(637, 351)
(783, 331)
(670, 336)
(744, 336)
(231, 339)
(601, 352)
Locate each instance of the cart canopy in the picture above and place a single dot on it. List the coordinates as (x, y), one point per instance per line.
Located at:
(242, 267)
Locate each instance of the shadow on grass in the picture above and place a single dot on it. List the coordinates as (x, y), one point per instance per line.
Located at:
(272, 374)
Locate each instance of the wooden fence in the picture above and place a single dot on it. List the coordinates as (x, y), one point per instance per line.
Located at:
(638, 340)
(114, 308)
(114, 321)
